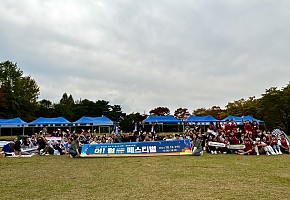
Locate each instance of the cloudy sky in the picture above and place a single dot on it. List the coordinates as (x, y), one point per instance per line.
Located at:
(145, 54)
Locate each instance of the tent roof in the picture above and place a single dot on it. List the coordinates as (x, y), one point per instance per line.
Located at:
(12, 122)
(161, 119)
(239, 119)
(208, 118)
(94, 120)
(56, 120)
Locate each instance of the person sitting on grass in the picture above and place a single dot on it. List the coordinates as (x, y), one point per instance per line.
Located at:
(59, 149)
(211, 149)
(8, 149)
(225, 149)
(260, 147)
(41, 143)
(17, 147)
(268, 142)
(27, 148)
(284, 144)
(74, 149)
(274, 144)
(196, 146)
(48, 149)
(248, 150)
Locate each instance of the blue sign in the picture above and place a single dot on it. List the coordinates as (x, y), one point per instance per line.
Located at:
(155, 148)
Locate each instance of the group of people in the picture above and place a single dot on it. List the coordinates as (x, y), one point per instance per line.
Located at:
(248, 136)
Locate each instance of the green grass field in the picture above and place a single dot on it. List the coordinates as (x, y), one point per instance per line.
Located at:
(168, 177)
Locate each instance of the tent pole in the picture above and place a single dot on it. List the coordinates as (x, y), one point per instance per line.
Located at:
(183, 126)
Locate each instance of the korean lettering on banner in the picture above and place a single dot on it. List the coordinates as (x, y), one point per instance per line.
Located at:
(130, 150)
(100, 150)
(111, 150)
(120, 150)
(142, 149)
(116, 149)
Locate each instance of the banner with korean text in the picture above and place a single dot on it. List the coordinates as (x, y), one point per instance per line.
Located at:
(156, 148)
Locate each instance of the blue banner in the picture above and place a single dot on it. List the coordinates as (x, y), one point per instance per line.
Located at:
(155, 148)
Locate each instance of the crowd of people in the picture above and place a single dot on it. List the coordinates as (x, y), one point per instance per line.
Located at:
(249, 135)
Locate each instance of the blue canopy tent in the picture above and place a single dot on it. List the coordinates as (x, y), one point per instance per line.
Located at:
(201, 119)
(102, 121)
(96, 121)
(205, 120)
(239, 119)
(57, 121)
(50, 122)
(12, 123)
(163, 120)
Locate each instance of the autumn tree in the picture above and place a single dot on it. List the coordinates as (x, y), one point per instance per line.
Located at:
(160, 111)
(201, 112)
(214, 111)
(181, 113)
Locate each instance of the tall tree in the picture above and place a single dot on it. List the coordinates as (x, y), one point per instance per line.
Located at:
(128, 120)
(65, 107)
(28, 96)
(3, 103)
(160, 111)
(243, 106)
(84, 107)
(21, 91)
(217, 112)
(116, 113)
(45, 108)
(275, 108)
(102, 107)
(201, 112)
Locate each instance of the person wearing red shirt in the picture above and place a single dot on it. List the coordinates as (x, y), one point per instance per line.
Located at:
(247, 125)
(218, 127)
(227, 126)
(248, 150)
(255, 127)
(233, 139)
(233, 125)
(284, 144)
(211, 127)
(225, 150)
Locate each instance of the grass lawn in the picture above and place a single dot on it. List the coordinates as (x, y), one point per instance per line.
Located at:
(168, 177)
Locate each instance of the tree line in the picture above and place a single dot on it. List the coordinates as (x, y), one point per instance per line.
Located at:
(19, 98)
